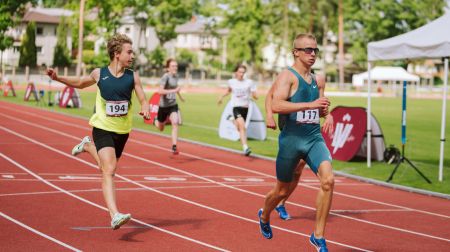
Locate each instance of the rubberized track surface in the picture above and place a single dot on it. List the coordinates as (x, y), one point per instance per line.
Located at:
(203, 199)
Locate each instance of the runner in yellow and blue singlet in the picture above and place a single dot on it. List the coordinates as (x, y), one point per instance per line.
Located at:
(301, 137)
(112, 107)
(112, 118)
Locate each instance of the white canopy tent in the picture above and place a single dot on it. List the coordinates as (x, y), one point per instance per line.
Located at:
(384, 73)
(429, 41)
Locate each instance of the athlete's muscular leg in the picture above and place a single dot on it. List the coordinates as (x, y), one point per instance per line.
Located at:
(174, 122)
(297, 174)
(90, 148)
(240, 125)
(108, 164)
(279, 192)
(159, 125)
(324, 197)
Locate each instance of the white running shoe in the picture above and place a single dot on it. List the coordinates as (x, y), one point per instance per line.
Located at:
(247, 151)
(80, 147)
(119, 219)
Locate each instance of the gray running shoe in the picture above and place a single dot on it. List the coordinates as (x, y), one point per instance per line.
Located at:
(119, 219)
(80, 147)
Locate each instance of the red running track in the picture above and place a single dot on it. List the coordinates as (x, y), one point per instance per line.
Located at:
(203, 199)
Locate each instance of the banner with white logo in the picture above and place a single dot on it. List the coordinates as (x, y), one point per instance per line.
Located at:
(31, 90)
(8, 86)
(349, 137)
(255, 123)
(70, 98)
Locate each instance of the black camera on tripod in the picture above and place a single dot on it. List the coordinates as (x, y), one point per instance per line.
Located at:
(391, 154)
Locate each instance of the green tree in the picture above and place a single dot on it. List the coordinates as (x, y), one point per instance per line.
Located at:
(28, 50)
(10, 12)
(61, 56)
(368, 20)
(5, 43)
(109, 13)
(186, 56)
(165, 15)
(246, 21)
(156, 57)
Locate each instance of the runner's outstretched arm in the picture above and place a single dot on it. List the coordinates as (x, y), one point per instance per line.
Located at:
(76, 82)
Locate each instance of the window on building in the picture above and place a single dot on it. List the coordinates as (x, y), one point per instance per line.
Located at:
(39, 49)
(39, 30)
(127, 29)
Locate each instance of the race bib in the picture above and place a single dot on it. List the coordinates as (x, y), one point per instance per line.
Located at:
(308, 116)
(116, 108)
(171, 96)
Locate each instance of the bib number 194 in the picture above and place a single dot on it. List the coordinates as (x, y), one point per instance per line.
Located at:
(116, 108)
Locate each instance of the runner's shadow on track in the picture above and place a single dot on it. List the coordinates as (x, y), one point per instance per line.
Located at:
(195, 223)
(129, 236)
(179, 159)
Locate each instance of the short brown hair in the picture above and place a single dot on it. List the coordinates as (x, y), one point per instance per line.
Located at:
(303, 35)
(240, 66)
(168, 61)
(115, 44)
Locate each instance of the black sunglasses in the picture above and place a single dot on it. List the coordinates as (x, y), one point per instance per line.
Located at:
(308, 50)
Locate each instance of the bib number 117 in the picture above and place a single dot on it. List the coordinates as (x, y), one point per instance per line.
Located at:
(308, 116)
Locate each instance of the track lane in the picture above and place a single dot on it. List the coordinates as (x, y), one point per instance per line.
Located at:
(184, 161)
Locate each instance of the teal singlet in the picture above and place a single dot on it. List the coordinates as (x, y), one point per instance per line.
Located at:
(301, 137)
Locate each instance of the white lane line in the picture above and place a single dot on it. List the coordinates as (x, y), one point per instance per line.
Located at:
(8, 176)
(79, 177)
(242, 190)
(216, 129)
(104, 208)
(164, 193)
(335, 192)
(231, 187)
(38, 232)
(93, 228)
(367, 210)
(300, 184)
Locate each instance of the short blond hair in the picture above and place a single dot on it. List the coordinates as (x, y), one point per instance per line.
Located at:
(115, 44)
(301, 36)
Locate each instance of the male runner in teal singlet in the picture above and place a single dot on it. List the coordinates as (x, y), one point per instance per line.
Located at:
(297, 94)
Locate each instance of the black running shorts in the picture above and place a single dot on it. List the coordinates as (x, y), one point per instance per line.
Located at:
(163, 113)
(103, 138)
(240, 112)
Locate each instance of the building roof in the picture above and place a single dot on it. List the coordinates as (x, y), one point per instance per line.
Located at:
(196, 26)
(46, 15)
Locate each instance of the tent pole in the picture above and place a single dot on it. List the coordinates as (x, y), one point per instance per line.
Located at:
(369, 129)
(444, 105)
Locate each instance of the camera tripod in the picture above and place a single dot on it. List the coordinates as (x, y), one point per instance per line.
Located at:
(403, 159)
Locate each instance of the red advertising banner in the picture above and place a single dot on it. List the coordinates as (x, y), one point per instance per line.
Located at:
(350, 125)
(154, 107)
(66, 96)
(31, 90)
(9, 87)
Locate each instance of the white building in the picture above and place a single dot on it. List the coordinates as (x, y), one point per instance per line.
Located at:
(47, 21)
(198, 35)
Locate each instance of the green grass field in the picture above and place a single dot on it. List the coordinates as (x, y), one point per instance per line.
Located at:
(201, 116)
